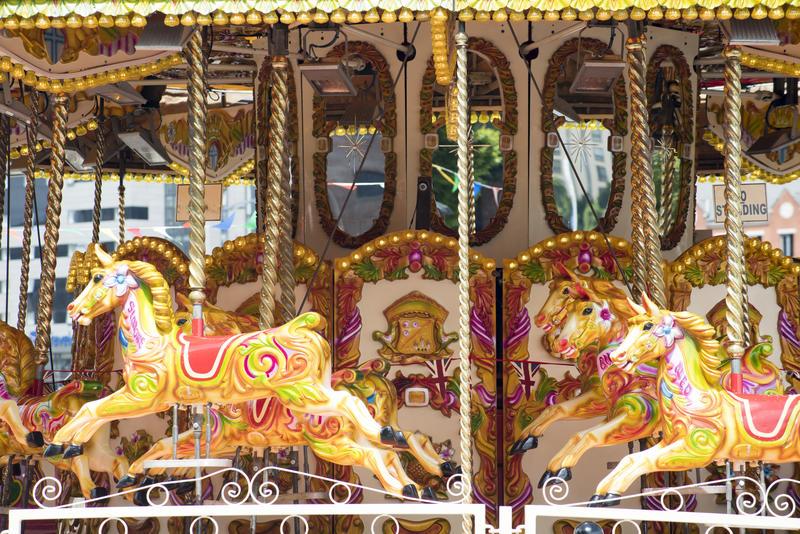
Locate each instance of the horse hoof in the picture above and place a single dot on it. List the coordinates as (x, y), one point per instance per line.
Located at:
(588, 527)
(516, 448)
(98, 493)
(596, 501)
(429, 494)
(400, 440)
(73, 450)
(35, 439)
(140, 498)
(612, 499)
(545, 477)
(410, 491)
(126, 482)
(147, 481)
(449, 470)
(387, 435)
(53, 450)
(565, 473)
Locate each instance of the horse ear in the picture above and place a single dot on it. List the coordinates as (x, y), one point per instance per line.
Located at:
(649, 305)
(635, 307)
(581, 291)
(563, 271)
(183, 301)
(105, 259)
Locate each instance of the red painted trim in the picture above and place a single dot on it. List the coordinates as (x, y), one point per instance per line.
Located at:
(198, 327)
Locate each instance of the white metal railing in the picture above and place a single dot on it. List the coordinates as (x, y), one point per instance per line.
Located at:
(767, 507)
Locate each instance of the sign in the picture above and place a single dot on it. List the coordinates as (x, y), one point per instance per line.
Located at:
(213, 194)
(754, 203)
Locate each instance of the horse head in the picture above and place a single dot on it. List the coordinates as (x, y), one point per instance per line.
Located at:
(563, 291)
(111, 284)
(650, 334)
(585, 323)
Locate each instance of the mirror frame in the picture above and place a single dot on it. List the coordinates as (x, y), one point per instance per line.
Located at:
(262, 115)
(617, 126)
(507, 126)
(388, 129)
(668, 52)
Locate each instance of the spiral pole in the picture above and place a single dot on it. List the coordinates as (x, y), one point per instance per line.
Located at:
(734, 236)
(50, 243)
(260, 98)
(286, 242)
(31, 132)
(464, 333)
(656, 287)
(273, 223)
(638, 144)
(121, 195)
(98, 182)
(472, 222)
(198, 108)
(5, 140)
(667, 181)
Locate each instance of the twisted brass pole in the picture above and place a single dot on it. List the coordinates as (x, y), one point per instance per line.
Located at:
(464, 332)
(5, 139)
(121, 195)
(272, 224)
(734, 299)
(638, 144)
(51, 231)
(667, 181)
(197, 165)
(27, 224)
(98, 182)
(260, 99)
(288, 303)
(656, 287)
(472, 222)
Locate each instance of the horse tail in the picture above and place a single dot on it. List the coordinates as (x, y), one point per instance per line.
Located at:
(18, 363)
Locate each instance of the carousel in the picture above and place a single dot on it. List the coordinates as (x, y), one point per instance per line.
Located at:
(399, 268)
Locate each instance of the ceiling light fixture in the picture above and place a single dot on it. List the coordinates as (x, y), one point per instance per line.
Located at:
(597, 75)
(145, 145)
(329, 79)
(76, 159)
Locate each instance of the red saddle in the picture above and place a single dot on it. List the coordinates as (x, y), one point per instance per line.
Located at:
(766, 417)
(202, 357)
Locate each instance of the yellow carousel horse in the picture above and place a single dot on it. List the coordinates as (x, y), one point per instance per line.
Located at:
(702, 422)
(289, 365)
(26, 421)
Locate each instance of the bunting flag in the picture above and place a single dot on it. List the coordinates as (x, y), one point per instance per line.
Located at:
(135, 231)
(226, 224)
(250, 224)
(109, 233)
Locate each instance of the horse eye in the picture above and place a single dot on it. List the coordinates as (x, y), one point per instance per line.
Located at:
(181, 322)
(647, 326)
(97, 278)
(587, 311)
(566, 291)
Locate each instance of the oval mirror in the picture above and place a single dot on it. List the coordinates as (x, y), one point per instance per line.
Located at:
(670, 101)
(584, 113)
(493, 123)
(351, 141)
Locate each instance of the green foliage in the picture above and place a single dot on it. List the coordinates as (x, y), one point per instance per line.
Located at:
(695, 275)
(534, 272)
(303, 272)
(366, 270)
(775, 274)
(432, 273)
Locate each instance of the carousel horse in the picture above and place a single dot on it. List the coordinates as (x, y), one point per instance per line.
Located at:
(265, 423)
(163, 366)
(26, 421)
(701, 421)
(591, 320)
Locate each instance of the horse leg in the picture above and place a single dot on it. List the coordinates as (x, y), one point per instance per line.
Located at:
(80, 466)
(584, 406)
(676, 456)
(9, 412)
(102, 458)
(122, 404)
(629, 423)
(420, 447)
(345, 451)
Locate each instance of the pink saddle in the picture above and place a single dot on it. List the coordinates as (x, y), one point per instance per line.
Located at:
(766, 417)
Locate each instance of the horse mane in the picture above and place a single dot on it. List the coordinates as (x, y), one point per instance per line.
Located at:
(159, 289)
(708, 347)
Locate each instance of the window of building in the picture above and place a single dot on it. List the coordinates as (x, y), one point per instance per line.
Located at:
(787, 244)
(61, 298)
(82, 216)
(136, 212)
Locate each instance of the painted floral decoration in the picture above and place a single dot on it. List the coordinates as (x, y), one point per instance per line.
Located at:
(122, 281)
(668, 331)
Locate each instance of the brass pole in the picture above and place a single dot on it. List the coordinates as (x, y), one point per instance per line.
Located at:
(30, 189)
(464, 331)
(667, 181)
(273, 224)
(287, 243)
(734, 299)
(98, 181)
(121, 195)
(646, 197)
(50, 244)
(638, 144)
(198, 106)
(5, 134)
